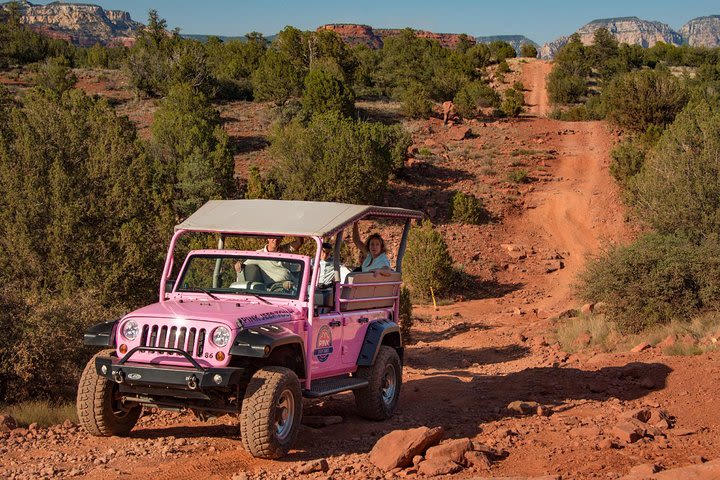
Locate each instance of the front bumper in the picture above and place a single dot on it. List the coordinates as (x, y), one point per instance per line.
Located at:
(193, 377)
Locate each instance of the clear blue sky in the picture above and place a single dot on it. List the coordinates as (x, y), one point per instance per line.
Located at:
(539, 20)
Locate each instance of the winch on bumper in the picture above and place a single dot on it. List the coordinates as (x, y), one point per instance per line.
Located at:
(194, 377)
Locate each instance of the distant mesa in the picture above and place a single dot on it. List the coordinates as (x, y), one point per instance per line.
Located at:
(702, 31)
(80, 24)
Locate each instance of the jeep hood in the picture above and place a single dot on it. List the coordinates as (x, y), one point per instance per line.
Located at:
(231, 313)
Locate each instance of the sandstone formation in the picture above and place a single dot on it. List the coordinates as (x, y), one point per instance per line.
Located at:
(630, 30)
(354, 34)
(81, 24)
(702, 31)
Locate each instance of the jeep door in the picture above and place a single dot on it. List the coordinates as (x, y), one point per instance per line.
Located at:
(326, 348)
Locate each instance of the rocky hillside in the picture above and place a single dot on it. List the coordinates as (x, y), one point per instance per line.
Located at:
(702, 31)
(630, 30)
(373, 37)
(81, 24)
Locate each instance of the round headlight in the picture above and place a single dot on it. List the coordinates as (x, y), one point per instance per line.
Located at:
(130, 330)
(221, 336)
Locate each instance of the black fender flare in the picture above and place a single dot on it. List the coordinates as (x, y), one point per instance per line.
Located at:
(101, 335)
(259, 342)
(374, 336)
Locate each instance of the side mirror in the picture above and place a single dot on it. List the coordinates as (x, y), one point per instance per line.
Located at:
(169, 286)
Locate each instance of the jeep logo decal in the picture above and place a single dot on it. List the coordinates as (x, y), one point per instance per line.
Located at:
(134, 376)
(323, 344)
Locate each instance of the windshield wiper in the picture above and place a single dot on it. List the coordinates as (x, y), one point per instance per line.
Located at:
(258, 297)
(198, 289)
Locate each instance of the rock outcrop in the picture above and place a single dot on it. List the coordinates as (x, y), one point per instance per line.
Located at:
(630, 30)
(702, 31)
(355, 34)
(80, 24)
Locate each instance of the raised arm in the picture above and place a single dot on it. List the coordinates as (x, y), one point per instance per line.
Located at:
(356, 240)
(292, 247)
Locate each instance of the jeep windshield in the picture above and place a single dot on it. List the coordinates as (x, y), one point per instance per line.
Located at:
(244, 275)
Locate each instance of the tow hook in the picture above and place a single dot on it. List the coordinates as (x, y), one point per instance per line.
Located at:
(118, 376)
(191, 382)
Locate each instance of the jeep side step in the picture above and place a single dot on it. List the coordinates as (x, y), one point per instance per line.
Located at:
(329, 386)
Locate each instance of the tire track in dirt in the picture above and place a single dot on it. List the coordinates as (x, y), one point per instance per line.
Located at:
(534, 78)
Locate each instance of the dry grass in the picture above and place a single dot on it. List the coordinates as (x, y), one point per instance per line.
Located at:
(596, 332)
(43, 413)
(591, 331)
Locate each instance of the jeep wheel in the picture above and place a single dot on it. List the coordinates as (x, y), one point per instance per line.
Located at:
(99, 407)
(378, 400)
(271, 412)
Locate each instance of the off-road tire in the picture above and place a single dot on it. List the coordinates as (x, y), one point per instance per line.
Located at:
(95, 408)
(370, 401)
(264, 395)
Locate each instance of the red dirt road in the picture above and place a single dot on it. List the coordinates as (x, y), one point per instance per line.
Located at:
(467, 361)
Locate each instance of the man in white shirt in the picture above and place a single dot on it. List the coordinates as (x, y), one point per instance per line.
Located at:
(276, 271)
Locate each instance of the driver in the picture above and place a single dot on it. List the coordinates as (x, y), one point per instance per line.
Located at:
(273, 271)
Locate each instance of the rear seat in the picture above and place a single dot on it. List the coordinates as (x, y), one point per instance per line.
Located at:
(358, 290)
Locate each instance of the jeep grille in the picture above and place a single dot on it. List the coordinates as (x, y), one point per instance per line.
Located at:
(190, 340)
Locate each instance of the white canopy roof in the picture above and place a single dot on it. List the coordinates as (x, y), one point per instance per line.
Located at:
(284, 217)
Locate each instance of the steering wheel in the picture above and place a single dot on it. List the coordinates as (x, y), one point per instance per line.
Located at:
(277, 287)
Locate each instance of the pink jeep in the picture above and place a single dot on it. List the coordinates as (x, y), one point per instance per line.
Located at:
(226, 337)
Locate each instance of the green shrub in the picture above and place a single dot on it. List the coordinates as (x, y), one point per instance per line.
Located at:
(83, 218)
(55, 75)
(473, 96)
(194, 150)
(513, 102)
(468, 209)
(406, 314)
(81, 204)
(528, 50)
(416, 101)
(564, 87)
(627, 160)
(326, 91)
(518, 176)
(232, 63)
(657, 279)
(503, 67)
(259, 186)
(49, 357)
(157, 61)
(644, 98)
(593, 109)
(427, 263)
(277, 78)
(679, 186)
(500, 50)
(336, 159)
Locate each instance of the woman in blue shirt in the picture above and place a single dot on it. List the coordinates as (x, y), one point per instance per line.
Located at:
(376, 260)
